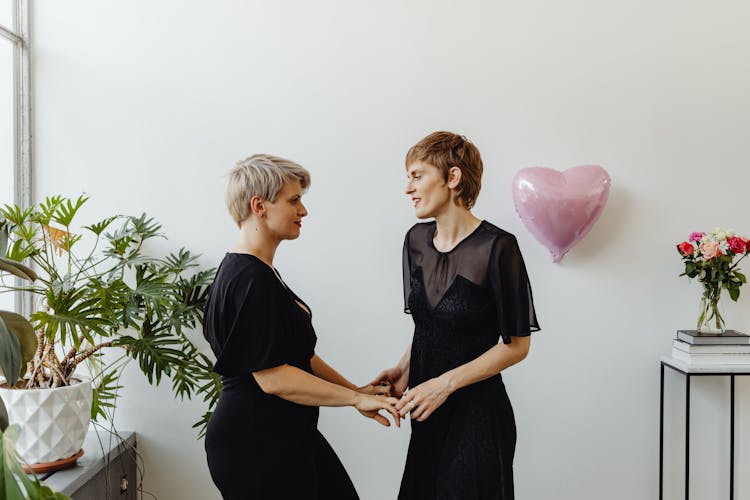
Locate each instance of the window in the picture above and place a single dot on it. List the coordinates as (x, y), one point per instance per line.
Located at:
(15, 113)
(7, 120)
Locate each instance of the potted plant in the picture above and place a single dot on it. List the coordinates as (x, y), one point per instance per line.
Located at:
(15, 484)
(94, 289)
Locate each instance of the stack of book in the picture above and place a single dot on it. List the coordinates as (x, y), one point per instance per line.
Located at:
(729, 348)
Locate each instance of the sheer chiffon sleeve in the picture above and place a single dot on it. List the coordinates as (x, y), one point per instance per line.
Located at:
(407, 273)
(510, 285)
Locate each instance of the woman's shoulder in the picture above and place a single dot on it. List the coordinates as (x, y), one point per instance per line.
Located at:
(501, 240)
(421, 228)
(496, 232)
(243, 267)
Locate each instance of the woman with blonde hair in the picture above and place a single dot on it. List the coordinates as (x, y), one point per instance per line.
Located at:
(466, 287)
(262, 441)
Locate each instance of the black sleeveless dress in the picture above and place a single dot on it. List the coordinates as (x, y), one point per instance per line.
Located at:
(462, 302)
(261, 446)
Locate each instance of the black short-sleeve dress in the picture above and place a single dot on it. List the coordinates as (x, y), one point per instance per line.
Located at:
(463, 302)
(260, 446)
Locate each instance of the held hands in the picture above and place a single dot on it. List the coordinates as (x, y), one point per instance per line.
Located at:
(370, 405)
(422, 400)
(396, 378)
(381, 389)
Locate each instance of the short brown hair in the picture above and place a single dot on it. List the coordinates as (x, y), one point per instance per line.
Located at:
(446, 150)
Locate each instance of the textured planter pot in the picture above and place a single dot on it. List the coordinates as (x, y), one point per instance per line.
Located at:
(53, 422)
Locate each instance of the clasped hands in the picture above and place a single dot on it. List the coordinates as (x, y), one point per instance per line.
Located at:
(419, 402)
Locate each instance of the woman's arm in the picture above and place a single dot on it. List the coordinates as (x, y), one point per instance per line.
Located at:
(424, 399)
(325, 371)
(298, 386)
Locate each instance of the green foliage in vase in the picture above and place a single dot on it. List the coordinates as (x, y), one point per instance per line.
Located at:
(96, 288)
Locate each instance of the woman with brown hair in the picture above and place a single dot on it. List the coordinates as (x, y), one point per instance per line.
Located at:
(466, 287)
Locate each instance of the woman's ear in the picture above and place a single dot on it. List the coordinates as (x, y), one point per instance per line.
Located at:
(454, 177)
(258, 206)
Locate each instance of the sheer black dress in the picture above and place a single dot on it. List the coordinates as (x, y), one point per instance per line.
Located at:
(462, 302)
(261, 446)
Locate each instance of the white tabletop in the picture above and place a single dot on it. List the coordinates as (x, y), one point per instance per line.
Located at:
(705, 367)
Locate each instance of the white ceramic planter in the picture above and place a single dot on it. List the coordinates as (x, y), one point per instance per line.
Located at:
(53, 422)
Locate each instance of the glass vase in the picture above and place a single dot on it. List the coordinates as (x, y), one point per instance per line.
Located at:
(711, 314)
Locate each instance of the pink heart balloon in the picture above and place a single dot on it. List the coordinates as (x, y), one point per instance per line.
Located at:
(560, 208)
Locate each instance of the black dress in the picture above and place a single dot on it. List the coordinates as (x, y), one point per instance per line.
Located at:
(462, 302)
(261, 446)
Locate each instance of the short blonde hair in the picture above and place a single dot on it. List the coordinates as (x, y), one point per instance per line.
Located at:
(259, 175)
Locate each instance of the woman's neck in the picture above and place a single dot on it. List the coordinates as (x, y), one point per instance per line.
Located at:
(453, 226)
(255, 241)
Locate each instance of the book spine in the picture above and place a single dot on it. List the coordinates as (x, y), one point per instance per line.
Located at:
(711, 348)
(712, 359)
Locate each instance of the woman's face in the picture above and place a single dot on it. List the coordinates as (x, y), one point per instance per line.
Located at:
(284, 216)
(428, 189)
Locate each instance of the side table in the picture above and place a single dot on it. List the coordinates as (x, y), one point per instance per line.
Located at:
(107, 469)
(689, 371)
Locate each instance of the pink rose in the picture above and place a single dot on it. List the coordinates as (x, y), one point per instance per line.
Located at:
(736, 244)
(696, 235)
(747, 246)
(709, 249)
(686, 248)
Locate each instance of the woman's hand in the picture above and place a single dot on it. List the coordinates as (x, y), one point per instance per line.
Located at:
(370, 406)
(381, 389)
(421, 401)
(396, 377)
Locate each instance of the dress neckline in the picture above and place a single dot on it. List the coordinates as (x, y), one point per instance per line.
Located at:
(431, 236)
(301, 304)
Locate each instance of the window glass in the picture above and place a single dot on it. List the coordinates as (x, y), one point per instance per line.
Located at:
(6, 141)
(6, 14)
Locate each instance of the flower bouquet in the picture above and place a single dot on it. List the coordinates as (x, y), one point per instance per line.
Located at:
(713, 258)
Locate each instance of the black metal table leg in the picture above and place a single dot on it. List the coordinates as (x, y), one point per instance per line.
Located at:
(731, 440)
(732, 397)
(687, 436)
(661, 436)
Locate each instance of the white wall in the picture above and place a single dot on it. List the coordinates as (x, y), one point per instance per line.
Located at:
(145, 105)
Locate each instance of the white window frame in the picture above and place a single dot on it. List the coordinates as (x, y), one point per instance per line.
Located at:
(18, 35)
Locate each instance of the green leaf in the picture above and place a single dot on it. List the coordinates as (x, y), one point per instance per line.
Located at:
(46, 209)
(157, 355)
(17, 269)
(100, 226)
(10, 354)
(24, 332)
(75, 313)
(20, 251)
(16, 214)
(145, 227)
(66, 210)
(180, 262)
(105, 394)
(4, 421)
